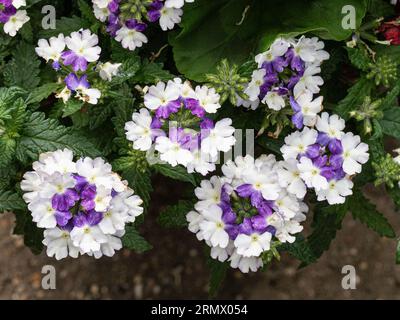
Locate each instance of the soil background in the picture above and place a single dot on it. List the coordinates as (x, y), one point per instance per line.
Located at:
(176, 267)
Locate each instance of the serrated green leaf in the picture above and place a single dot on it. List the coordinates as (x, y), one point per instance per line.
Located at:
(391, 122)
(7, 176)
(177, 173)
(8, 95)
(395, 195)
(175, 216)
(132, 240)
(40, 93)
(33, 236)
(301, 250)
(354, 98)
(7, 151)
(72, 106)
(11, 201)
(127, 70)
(98, 114)
(17, 120)
(391, 98)
(359, 58)
(217, 275)
(139, 180)
(152, 72)
(23, 69)
(43, 135)
(327, 221)
(366, 212)
(86, 11)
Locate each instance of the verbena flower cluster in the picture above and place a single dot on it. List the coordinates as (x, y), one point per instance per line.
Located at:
(246, 212)
(12, 18)
(127, 19)
(83, 206)
(323, 159)
(76, 59)
(175, 123)
(288, 73)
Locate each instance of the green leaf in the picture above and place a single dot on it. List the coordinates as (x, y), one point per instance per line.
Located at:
(301, 250)
(391, 122)
(43, 135)
(366, 212)
(395, 195)
(398, 252)
(65, 25)
(271, 144)
(217, 275)
(40, 93)
(132, 240)
(8, 175)
(211, 29)
(391, 98)
(127, 71)
(23, 69)
(10, 201)
(152, 72)
(98, 114)
(327, 221)
(177, 173)
(175, 216)
(7, 151)
(17, 120)
(87, 11)
(354, 98)
(379, 8)
(359, 58)
(33, 236)
(139, 181)
(72, 106)
(8, 95)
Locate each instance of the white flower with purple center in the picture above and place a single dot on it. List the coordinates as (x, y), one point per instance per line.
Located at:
(241, 214)
(324, 159)
(12, 18)
(127, 21)
(176, 125)
(83, 205)
(75, 57)
(83, 49)
(288, 74)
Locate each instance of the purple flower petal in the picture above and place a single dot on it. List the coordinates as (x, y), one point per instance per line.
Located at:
(79, 220)
(323, 138)
(336, 161)
(63, 218)
(93, 218)
(335, 146)
(313, 151)
(246, 227)
(297, 120)
(194, 106)
(245, 190)
(259, 223)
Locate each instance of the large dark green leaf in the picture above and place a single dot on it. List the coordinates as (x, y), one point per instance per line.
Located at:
(213, 30)
(391, 122)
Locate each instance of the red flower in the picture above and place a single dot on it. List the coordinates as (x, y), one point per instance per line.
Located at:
(391, 31)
